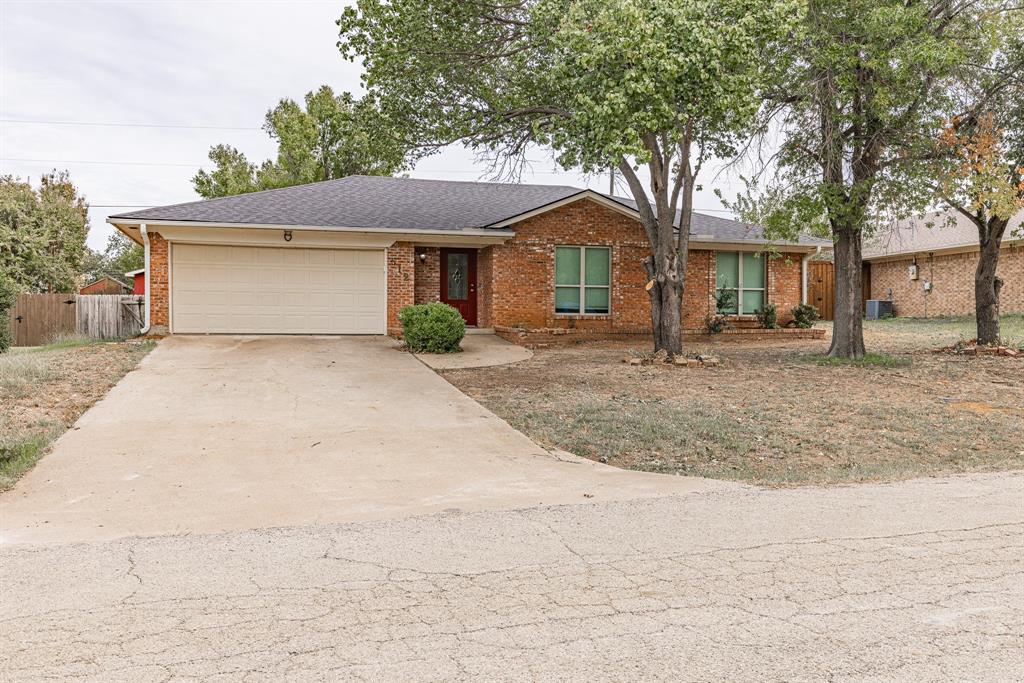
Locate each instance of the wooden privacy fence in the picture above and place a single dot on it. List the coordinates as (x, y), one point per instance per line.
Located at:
(821, 287)
(109, 316)
(38, 318)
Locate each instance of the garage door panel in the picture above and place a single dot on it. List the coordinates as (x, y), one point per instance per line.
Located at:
(277, 290)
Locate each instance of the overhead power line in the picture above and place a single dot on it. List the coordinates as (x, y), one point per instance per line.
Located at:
(104, 124)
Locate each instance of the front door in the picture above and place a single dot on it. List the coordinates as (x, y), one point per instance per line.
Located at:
(458, 281)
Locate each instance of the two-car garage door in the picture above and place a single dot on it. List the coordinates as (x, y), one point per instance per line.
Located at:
(273, 290)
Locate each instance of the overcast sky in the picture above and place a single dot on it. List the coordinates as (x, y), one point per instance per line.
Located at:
(167, 80)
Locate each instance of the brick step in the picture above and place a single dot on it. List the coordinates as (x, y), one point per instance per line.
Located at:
(744, 323)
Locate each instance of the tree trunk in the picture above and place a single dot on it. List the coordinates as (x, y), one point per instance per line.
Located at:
(848, 323)
(654, 293)
(986, 292)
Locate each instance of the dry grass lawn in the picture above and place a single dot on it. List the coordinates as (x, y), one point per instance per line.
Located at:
(774, 413)
(44, 390)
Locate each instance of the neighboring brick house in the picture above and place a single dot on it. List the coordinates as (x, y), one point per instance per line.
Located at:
(926, 265)
(105, 285)
(529, 261)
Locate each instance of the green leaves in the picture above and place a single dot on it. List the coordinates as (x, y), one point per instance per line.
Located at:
(333, 137)
(42, 232)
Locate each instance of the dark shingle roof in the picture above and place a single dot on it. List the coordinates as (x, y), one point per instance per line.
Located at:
(369, 202)
(385, 203)
(705, 228)
(933, 231)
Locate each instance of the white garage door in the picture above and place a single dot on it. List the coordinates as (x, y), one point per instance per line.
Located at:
(273, 290)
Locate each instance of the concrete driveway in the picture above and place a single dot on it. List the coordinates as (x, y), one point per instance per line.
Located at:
(227, 433)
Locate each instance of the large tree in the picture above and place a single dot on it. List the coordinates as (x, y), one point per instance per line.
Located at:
(855, 110)
(980, 162)
(603, 83)
(121, 255)
(332, 137)
(42, 232)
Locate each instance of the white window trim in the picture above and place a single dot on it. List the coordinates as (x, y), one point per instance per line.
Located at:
(583, 286)
(739, 288)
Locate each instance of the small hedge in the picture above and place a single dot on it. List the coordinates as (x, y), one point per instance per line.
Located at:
(8, 295)
(805, 315)
(432, 328)
(768, 317)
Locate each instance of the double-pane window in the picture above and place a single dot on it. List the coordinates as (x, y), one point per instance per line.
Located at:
(582, 279)
(743, 274)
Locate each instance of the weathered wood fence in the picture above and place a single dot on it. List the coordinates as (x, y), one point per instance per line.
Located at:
(821, 287)
(39, 318)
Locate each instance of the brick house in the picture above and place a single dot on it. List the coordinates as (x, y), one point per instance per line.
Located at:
(105, 285)
(528, 261)
(926, 265)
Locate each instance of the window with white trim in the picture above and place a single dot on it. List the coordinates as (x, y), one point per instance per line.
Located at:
(742, 273)
(583, 280)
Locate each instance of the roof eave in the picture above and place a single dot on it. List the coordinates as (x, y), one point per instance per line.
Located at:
(474, 232)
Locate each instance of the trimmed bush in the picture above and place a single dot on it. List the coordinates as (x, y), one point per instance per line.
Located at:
(432, 328)
(768, 317)
(805, 315)
(8, 295)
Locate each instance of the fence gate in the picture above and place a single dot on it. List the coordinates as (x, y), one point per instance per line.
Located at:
(821, 287)
(38, 318)
(109, 316)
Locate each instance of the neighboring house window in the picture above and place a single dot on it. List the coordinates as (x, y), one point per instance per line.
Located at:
(742, 273)
(582, 279)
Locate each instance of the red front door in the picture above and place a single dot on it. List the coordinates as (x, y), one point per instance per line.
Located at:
(458, 281)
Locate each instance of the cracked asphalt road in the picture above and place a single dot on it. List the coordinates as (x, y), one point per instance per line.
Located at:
(913, 581)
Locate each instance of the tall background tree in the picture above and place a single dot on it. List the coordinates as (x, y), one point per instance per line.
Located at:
(42, 232)
(602, 83)
(980, 161)
(333, 137)
(120, 256)
(855, 113)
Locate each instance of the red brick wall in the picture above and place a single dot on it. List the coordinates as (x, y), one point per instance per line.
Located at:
(484, 278)
(522, 292)
(952, 277)
(428, 275)
(401, 266)
(785, 284)
(699, 293)
(159, 313)
(523, 275)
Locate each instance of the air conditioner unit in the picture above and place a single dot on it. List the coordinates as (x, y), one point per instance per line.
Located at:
(912, 271)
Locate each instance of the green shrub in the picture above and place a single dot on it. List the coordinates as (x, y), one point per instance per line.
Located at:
(432, 328)
(725, 301)
(715, 323)
(768, 317)
(8, 294)
(805, 315)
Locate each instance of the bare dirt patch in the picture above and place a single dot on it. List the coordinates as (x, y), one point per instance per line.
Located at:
(770, 413)
(44, 391)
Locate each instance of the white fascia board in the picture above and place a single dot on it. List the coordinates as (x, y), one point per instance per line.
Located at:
(472, 232)
(754, 245)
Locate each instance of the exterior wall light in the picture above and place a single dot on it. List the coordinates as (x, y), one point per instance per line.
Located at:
(287, 235)
(423, 257)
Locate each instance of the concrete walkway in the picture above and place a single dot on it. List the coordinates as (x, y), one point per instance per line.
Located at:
(478, 351)
(916, 581)
(226, 433)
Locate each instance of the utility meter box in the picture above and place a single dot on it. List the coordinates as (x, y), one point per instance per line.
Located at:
(912, 271)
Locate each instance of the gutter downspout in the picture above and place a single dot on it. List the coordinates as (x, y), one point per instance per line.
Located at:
(145, 263)
(804, 262)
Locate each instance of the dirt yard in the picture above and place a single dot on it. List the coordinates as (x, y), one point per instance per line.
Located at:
(44, 390)
(772, 413)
